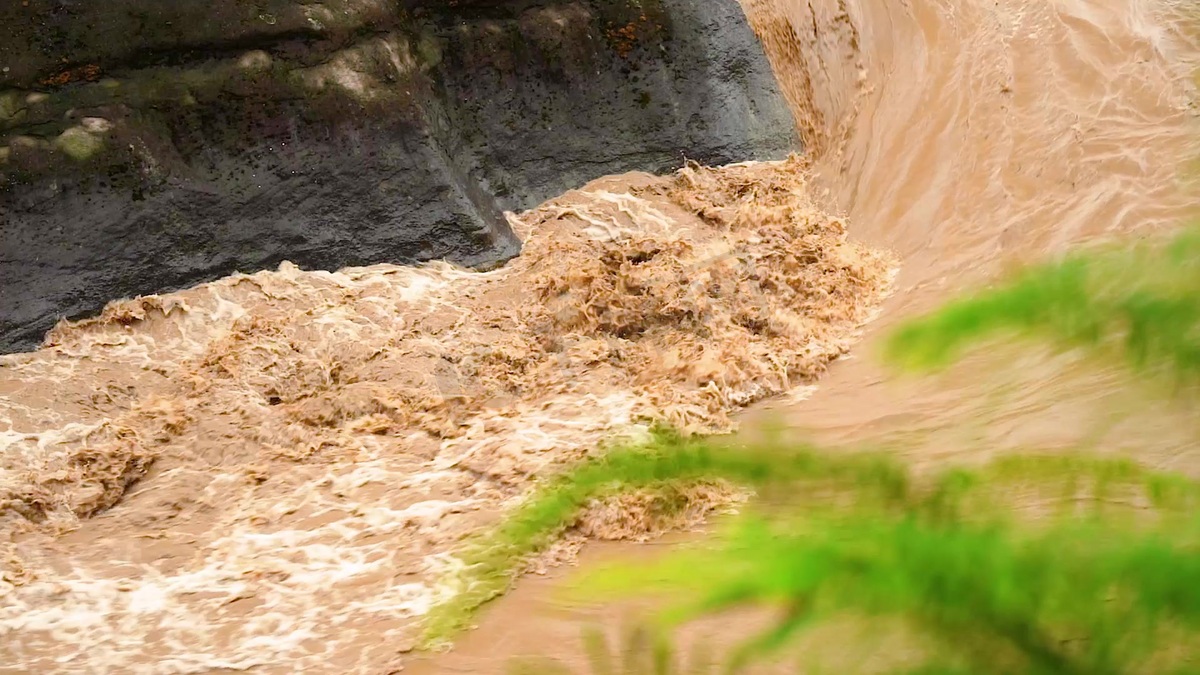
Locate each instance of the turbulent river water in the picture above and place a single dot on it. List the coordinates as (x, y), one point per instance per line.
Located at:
(966, 137)
(274, 469)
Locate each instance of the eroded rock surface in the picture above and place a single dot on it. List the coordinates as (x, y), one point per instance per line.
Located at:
(149, 146)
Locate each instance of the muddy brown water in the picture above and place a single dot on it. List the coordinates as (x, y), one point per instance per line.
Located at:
(967, 137)
(299, 492)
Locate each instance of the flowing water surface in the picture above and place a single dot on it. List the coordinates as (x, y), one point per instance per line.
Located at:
(272, 471)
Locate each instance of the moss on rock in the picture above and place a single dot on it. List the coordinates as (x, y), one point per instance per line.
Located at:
(78, 143)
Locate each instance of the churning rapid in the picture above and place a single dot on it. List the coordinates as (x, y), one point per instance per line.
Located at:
(273, 471)
(294, 455)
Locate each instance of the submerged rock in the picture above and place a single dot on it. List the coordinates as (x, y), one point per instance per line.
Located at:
(150, 146)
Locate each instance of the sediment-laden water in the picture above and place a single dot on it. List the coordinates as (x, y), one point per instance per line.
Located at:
(273, 471)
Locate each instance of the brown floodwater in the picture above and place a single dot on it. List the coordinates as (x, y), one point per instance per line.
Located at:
(967, 137)
(272, 472)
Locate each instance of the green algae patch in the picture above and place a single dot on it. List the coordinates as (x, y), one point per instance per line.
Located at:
(79, 144)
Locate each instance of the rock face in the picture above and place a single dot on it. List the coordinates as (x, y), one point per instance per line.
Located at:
(147, 146)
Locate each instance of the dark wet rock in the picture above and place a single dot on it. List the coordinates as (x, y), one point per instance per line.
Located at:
(147, 146)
